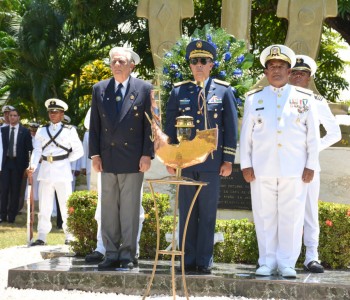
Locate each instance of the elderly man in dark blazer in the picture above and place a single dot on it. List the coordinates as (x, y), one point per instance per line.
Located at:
(16, 142)
(121, 149)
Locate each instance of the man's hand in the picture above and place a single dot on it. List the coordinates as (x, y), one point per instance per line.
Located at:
(97, 164)
(30, 172)
(308, 175)
(171, 170)
(248, 174)
(225, 169)
(145, 163)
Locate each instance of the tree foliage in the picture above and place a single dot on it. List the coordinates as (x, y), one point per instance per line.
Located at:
(45, 45)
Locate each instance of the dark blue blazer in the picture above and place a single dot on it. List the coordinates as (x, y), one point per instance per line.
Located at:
(221, 112)
(120, 138)
(24, 145)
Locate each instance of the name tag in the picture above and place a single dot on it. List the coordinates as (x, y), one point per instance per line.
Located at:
(185, 101)
(260, 108)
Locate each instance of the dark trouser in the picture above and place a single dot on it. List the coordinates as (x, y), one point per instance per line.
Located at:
(199, 244)
(11, 179)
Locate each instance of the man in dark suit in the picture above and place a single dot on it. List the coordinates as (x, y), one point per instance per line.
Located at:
(221, 112)
(121, 149)
(17, 142)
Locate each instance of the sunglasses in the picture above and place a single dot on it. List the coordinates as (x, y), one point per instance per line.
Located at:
(202, 60)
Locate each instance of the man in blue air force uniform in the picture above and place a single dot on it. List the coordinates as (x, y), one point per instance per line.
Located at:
(222, 113)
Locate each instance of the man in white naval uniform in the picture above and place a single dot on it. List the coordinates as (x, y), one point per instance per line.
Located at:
(304, 68)
(279, 153)
(57, 145)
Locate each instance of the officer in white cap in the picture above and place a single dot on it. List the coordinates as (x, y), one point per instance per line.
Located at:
(6, 111)
(279, 153)
(56, 144)
(302, 72)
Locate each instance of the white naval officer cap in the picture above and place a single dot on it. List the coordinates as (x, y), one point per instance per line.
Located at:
(280, 52)
(134, 56)
(55, 104)
(6, 108)
(305, 63)
(33, 125)
(66, 119)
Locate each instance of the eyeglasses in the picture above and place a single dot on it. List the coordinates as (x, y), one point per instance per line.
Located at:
(202, 60)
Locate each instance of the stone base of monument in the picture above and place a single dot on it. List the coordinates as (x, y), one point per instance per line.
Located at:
(72, 273)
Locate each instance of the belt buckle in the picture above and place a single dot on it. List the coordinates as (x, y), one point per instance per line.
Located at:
(50, 159)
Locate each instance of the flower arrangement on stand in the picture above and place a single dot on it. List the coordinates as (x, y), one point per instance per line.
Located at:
(232, 63)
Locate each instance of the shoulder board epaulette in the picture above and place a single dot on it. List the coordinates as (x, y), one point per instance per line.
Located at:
(181, 83)
(257, 90)
(319, 97)
(225, 83)
(303, 90)
(67, 126)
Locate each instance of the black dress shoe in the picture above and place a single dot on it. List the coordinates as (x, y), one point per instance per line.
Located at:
(108, 264)
(136, 262)
(38, 243)
(314, 267)
(204, 270)
(127, 264)
(189, 269)
(94, 257)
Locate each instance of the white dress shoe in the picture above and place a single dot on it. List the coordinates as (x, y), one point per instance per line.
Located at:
(288, 273)
(265, 271)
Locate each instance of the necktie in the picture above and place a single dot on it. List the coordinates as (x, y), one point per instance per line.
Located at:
(119, 97)
(11, 142)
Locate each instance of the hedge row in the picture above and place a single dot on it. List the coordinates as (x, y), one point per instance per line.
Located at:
(240, 245)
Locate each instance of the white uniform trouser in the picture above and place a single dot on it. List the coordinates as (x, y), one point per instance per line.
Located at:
(46, 195)
(311, 224)
(100, 247)
(278, 209)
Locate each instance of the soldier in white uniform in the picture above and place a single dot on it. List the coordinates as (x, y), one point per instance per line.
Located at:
(57, 145)
(302, 72)
(279, 153)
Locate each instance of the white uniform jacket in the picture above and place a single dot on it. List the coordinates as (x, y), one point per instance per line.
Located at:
(56, 171)
(327, 119)
(280, 133)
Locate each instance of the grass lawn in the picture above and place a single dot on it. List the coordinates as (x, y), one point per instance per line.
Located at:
(16, 234)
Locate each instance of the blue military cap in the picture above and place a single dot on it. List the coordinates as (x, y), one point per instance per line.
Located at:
(200, 48)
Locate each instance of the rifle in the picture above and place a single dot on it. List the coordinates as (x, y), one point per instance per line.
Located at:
(30, 206)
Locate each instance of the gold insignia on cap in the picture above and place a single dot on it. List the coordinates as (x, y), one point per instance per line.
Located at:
(52, 102)
(300, 60)
(199, 44)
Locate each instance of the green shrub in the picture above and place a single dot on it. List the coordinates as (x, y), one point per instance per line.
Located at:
(334, 245)
(240, 245)
(81, 221)
(148, 239)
